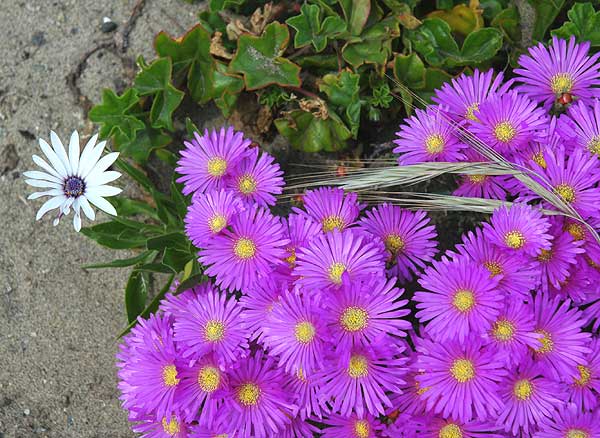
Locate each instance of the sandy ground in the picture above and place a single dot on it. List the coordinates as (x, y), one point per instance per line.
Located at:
(57, 322)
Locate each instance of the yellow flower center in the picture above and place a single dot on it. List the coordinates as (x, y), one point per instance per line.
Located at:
(523, 389)
(419, 390)
(248, 394)
(170, 427)
(335, 272)
(291, 259)
(463, 300)
(514, 239)
(545, 255)
(305, 332)
(585, 375)
(546, 341)
(494, 267)
(538, 158)
(561, 83)
(214, 330)
(217, 223)
(450, 431)
(361, 429)
(169, 375)
(566, 192)
(462, 370)
(358, 366)
(504, 132)
(503, 330)
(594, 145)
(434, 144)
(332, 222)
(300, 375)
(394, 243)
(244, 248)
(477, 179)
(576, 231)
(209, 378)
(470, 114)
(217, 166)
(576, 433)
(247, 184)
(354, 319)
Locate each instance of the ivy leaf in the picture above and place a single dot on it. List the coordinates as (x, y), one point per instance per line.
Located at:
(545, 14)
(191, 54)
(434, 41)
(356, 13)
(311, 134)
(409, 70)
(259, 59)
(481, 45)
(434, 79)
(461, 18)
(136, 292)
(584, 24)
(508, 21)
(115, 116)
(226, 88)
(146, 141)
(374, 46)
(310, 30)
(342, 90)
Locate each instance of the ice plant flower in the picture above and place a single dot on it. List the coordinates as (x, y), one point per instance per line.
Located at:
(300, 230)
(584, 387)
(352, 426)
(211, 324)
(569, 422)
(460, 298)
(306, 394)
(258, 303)
(462, 379)
(333, 208)
(436, 427)
(409, 237)
(208, 159)
(427, 136)
(247, 251)
(74, 180)
(581, 126)
(173, 427)
(564, 68)
(480, 185)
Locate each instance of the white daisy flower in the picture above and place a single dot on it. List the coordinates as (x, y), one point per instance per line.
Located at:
(74, 180)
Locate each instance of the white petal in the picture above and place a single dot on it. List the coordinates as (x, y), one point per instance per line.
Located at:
(77, 222)
(53, 158)
(101, 203)
(87, 208)
(103, 191)
(94, 179)
(40, 162)
(60, 151)
(42, 183)
(74, 152)
(86, 165)
(56, 221)
(35, 174)
(50, 204)
(53, 192)
(105, 162)
(88, 147)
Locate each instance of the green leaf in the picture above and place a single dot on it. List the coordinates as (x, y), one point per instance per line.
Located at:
(462, 19)
(409, 70)
(116, 235)
(434, 79)
(130, 207)
(434, 41)
(122, 263)
(219, 5)
(176, 259)
(158, 268)
(190, 127)
(508, 21)
(374, 46)
(356, 13)
(147, 140)
(115, 116)
(190, 55)
(259, 59)
(310, 30)
(584, 24)
(190, 282)
(172, 240)
(481, 45)
(342, 90)
(181, 202)
(545, 14)
(311, 134)
(226, 88)
(136, 293)
(138, 175)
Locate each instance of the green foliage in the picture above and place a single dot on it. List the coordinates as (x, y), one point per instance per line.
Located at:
(584, 24)
(310, 29)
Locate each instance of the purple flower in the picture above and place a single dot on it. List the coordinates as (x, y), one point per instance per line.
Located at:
(569, 422)
(300, 230)
(563, 68)
(481, 185)
(208, 159)
(173, 304)
(582, 126)
(428, 136)
(211, 323)
(333, 208)
(258, 303)
(328, 257)
(436, 427)
(306, 395)
(165, 428)
(248, 251)
(462, 379)
(409, 237)
(460, 299)
(364, 426)
(584, 387)
(209, 214)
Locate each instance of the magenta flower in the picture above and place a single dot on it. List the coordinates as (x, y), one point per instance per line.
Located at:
(365, 310)
(209, 214)
(480, 185)
(569, 422)
(460, 298)
(409, 237)
(331, 207)
(300, 229)
(256, 178)
(296, 333)
(211, 323)
(528, 396)
(564, 344)
(258, 303)
(306, 394)
(436, 427)
(354, 426)
(429, 135)
(507, 122)
(173, 304)
(582, 126)
(584, 386)
(257, 405)
(248, 251)
(328, 257)
(563, 68)
(174, 427)
(356, 380)
(208, 159)
(520, 229)
(299, 428)
(463, 95)
(462, 379)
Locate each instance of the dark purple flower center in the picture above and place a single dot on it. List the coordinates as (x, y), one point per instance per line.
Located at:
(74, 187)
